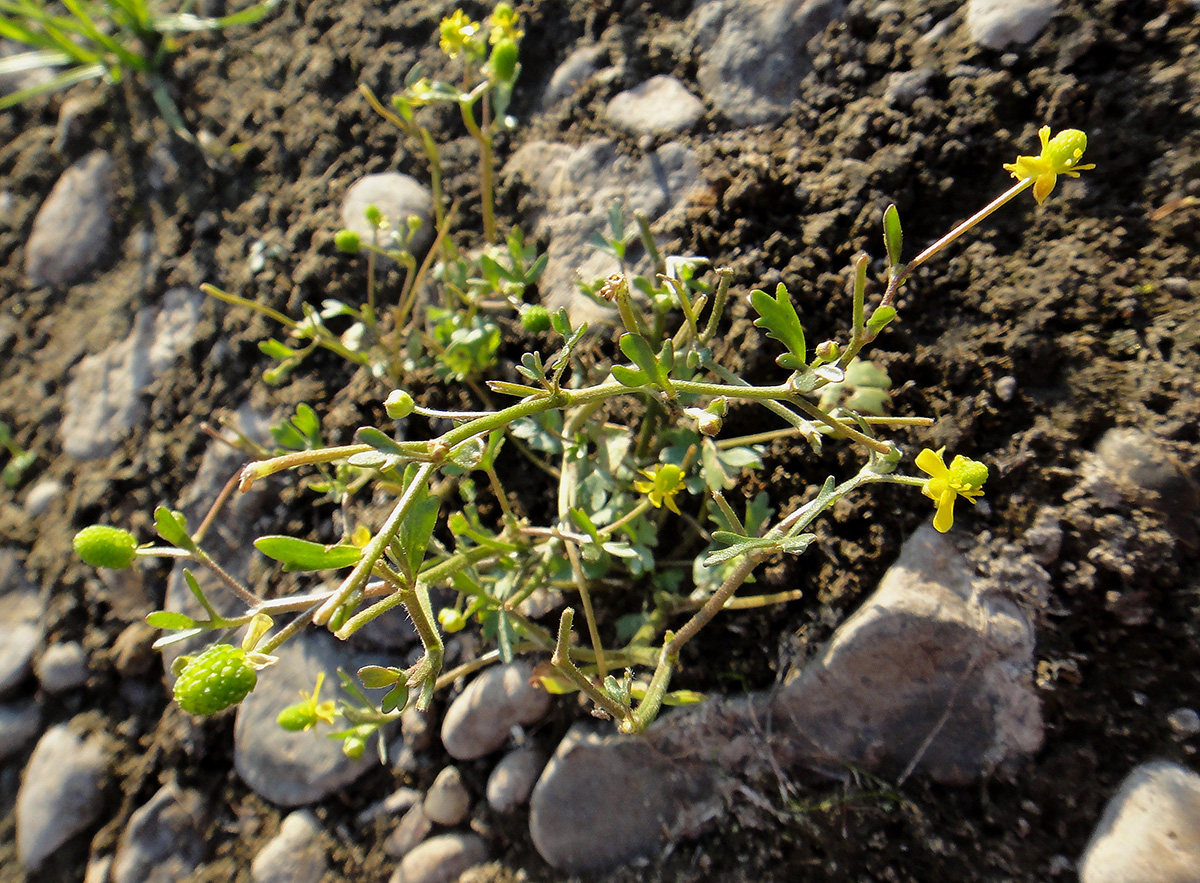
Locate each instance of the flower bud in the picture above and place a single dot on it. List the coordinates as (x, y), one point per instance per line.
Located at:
(398, 404)
(503, 61)
(828, 351)
(346, 241)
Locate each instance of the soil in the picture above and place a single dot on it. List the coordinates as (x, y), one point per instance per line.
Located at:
(1089, 302)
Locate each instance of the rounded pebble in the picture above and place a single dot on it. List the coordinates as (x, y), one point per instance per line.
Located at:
(660, 106)
(62, 667)
(19, 723)
(513, 779)
(398, 197)
(441, 859)
(294, 855)
(42, 496)
(448, 800)
(480, 719)
(413, 827)
(1184, 721)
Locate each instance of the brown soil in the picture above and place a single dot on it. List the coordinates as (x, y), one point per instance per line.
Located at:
(1071, 299)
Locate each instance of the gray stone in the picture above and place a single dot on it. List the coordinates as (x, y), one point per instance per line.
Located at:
(905, 87)
(659, 106)
(931, 674)
(578, 187)
(753, 53)
(19, 723)
(42, 496)
(59, 794)
(413, 827)
(448, 800)
(164, 841)
(20, 609)
(62, 667)
(441, 859)
(1150, 830)
(638, 799)
(1132, 464)
(295, 854)
(103, 400)
(1184, 722)
(995, 24)
(73, 228)
(398, 197)
(399, 801)
(513, 779)
(296, 768)
(578, 67)
(479, 719)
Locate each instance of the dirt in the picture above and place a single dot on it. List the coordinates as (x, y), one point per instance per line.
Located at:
(1089, 302)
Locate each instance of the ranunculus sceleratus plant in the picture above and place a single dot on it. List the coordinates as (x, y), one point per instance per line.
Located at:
(623, 493)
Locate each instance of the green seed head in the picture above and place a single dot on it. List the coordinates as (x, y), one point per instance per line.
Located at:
(104, 546)
(346, 241)
(535, 318)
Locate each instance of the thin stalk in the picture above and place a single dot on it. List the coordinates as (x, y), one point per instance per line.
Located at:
(486, 172)
(585, 598)
(561, 660)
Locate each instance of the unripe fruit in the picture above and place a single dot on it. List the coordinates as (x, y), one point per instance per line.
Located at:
(217, 679)
(104, 546)
(346, 241)
(535, 318)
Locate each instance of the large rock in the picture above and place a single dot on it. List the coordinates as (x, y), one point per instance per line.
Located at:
(928, 675)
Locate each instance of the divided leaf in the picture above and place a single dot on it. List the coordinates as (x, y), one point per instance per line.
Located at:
(778, 317)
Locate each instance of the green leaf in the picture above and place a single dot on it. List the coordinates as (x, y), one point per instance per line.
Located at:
(301, 555)
(638, 350)
(778, 317)
(631, 377)
(880, 318)
(369, 435)
(165, 619)
(396, 699)
(893, 238)
(172, 527)
(416, 530)
(374, 677)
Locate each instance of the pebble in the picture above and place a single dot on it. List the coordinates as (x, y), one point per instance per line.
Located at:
(995, 24)
(164, 840)
(413, 827)
(513, 778)
(1184, 722)
(448, 800)
(73, 228)
(295, 854)
(59, 794)
(398, 197)
(637, 799)
(480, 718)
(1006, 388)
(930, 675)
(752, 55)
(297, 768)
(42, 496)
(1129, 465)
(905, 87)
(20, 610)
(62, 667)
(441, 859)
(400, 800)
(103, 401)
(660, 106)
(19, 723)
(1150, 830)
(578, 67)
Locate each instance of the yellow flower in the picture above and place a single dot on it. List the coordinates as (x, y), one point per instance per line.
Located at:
(308, 713)
(964, 478)
(460, 34)
(504, 23)
(1060, 156)
(666, 481)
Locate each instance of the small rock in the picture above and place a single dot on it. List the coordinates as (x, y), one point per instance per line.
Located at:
(1139, 461)
(417, 730)
(930, 674)
(103, 400)
(294, 855)
(480, 718)
(1150, 830)
(513, 779)
(905, 87)
(659, 106)
(1177, 286)
(578, 67)
(288, 768)
(73, 228)
(637, 799)
(398, 197)
(753, 55)
(448, 800)
(42, 496)
(1184, 722)
(133, 651)
(60, 793)
(441, 859)
(1006, 388)
(62, 667)
(413, 827)
(19, 613)
(995, 24)
(164, 841)
(400, 800)
(19, 723)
